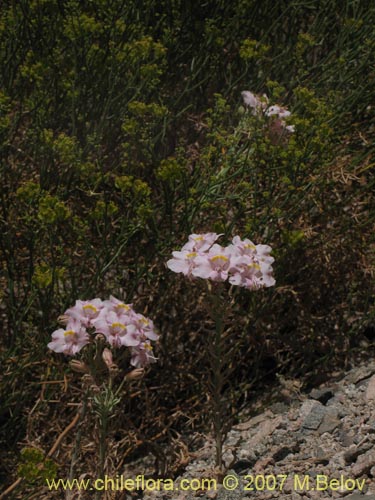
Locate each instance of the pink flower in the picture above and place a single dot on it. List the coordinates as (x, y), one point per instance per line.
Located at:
(278, 125)
(254, 102)
(263, 253)
(200, 242)
(278, 111)
(259, 107)
(253, 267)
(117, 329)
(214, 265)
(242, 247)
(142, 355)
(183, 262)
(85, 311)
(71, 340)
(118, 306)
(247, 273)
(144, 327)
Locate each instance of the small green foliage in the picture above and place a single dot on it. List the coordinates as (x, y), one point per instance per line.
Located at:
(275, 90)
(28, 192)
(35, 468)
(251, 49)
(169, 170)
(5, 106)
(124, 183)
(105, 402)
(67, 149)
(103, 210)
(44, 275)
(79, 27)
(305, 41)
(293, 238)
(130, 186)
(52, 210)
(141, 189)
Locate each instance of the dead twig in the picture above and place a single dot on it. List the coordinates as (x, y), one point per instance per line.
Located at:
(63, 434)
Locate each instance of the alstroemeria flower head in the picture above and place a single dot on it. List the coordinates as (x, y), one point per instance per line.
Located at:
(70, 340)
(85, 311)
(243, 263)
(110, 321)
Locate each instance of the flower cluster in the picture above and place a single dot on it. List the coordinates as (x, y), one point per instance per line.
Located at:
(242, 263)
(259, 107)
(118, 322)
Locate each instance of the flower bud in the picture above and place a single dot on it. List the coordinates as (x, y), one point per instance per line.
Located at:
(79, 366)
(135, 374)
(100, 338)
(107, 358)
(63, 319)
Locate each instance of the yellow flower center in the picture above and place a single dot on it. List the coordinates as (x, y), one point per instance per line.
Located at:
(191, 255)
(69, 332)
(219, 257)
(123, 306)
(148, 347)
(90, 307)
(145, 321)
(256, 266)
(249, 245)
(119, 325)
(198, 238)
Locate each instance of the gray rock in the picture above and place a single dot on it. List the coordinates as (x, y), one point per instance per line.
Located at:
(329, 423)
(364, 464)
(279, 407)
(313, 413)
(352, 454)
(280, 453)
(336, 438)
(345, 438)
(361, 373)
(322, 395)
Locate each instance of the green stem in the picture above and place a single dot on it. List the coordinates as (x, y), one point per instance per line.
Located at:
(216, 362)
(103, 430)
(102, 447)
(77, 441)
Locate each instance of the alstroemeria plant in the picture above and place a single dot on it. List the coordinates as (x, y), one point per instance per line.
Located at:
(243, 264)
(96, 328)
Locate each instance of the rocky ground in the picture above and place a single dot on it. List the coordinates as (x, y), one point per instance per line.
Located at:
(316, 445)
